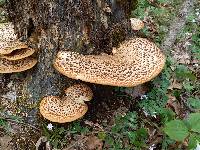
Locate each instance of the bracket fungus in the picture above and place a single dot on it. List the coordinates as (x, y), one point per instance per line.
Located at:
(136, 61)
(14, 55)
(7, 66)
(68, 108)
(136, 24)
(18, 54)
(8, 39)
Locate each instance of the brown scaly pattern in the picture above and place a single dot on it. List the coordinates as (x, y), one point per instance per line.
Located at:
(80, 92)
(9, 47)
(136, 61)
(136, 24)
(67, 108)
(7, 66)
(7, 33)
(8, 39)
(19, 54)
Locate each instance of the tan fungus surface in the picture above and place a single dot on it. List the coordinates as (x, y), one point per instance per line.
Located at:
(19, 54)
(67, 108)
(136, 61)
(9, 47)
(7, 33)
(8, 66)
(8, 39)
(136, 24)
(80, 92)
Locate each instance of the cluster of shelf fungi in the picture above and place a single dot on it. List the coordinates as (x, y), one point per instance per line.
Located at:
(134, 62)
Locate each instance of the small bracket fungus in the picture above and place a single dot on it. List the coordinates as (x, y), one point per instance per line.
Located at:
(14, 55)
(68, 108)
(7, 66)
(9, 47)
(7, 32)
(136, 61)
(136, 24)
(8, 39)
(19, 54)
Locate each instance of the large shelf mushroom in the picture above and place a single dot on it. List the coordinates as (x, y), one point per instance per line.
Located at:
(14, 55)
(68, 108)
(136, 61)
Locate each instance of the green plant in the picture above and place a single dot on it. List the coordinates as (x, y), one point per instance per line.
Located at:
(181, 130)
(4, 124)
(55, 136)
(157, 97)
(194, 103)
(125, 129)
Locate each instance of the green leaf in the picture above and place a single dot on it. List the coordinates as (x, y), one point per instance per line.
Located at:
(102, 135)
(176, 129)
(193, 140)
(167, 115)
(194, 102)
(194, 122)
(188, 86)
(182, 72)
(132, 136)
(109, 140)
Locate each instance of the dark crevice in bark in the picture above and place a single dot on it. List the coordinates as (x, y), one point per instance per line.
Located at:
(78, 25)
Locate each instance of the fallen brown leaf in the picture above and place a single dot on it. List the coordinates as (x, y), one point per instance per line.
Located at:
(173, 103)
(174, 84)
(4, 142)
(93, 143)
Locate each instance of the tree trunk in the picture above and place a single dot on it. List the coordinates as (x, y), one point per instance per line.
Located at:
(85, 26)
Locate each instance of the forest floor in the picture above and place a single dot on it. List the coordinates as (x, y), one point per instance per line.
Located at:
(161, 114)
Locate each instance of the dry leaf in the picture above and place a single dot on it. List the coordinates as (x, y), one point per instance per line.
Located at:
(93, 143)
(181, 57)
(174, 84)
(173, 103)
(4, 142)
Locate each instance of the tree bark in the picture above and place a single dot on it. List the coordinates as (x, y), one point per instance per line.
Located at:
(85, 26)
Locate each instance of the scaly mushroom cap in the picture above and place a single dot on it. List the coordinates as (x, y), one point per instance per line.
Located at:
(68, 108)
(80, 92)
(9, 47)
(136, 61)
(7, 33)
(19, 54)
(8, 66)
(8, 39)
(136, 24)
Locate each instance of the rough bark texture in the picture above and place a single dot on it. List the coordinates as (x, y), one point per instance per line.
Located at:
(85, 26)
(80, 25)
